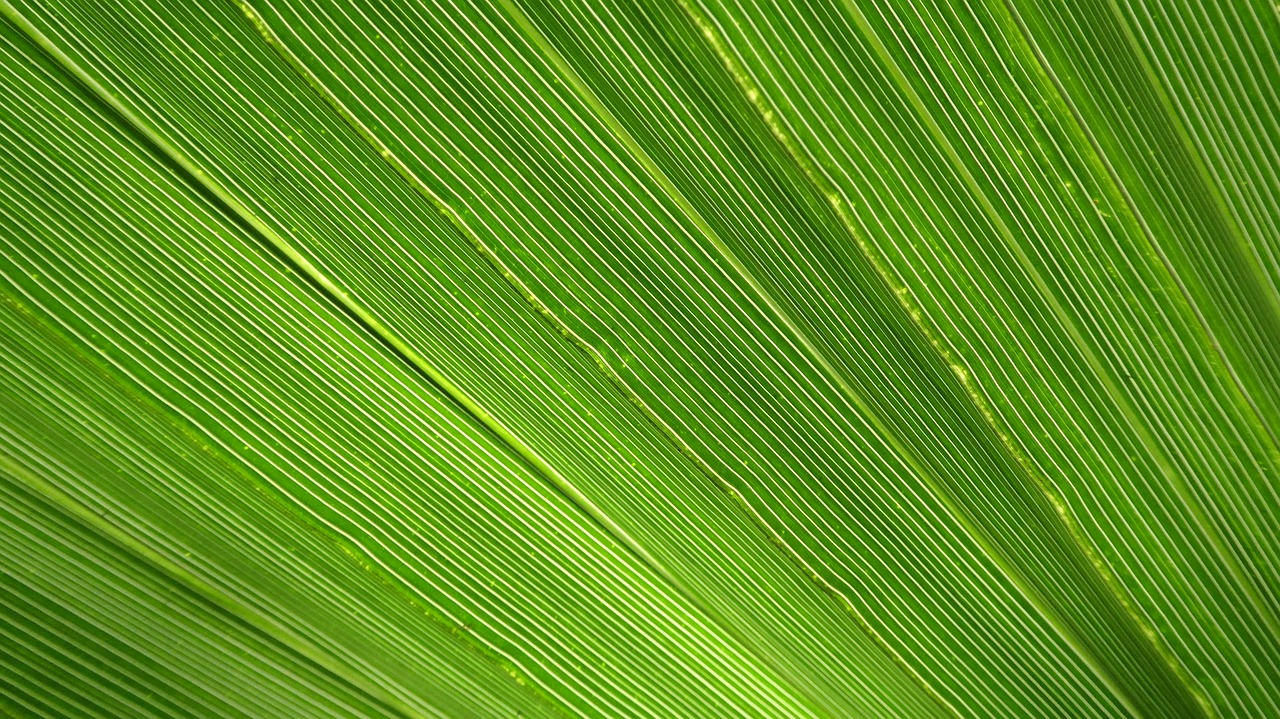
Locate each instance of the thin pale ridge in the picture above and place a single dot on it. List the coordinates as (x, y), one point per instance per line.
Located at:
(411, 355)
(1148, 234)
(1068, 324)
(1245, 248)
(727, 254)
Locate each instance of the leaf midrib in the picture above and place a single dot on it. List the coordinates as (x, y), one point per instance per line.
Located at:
(335, 294)
(835, 200)
(563, 329)
(797, 335)
(815, 354)
(398, 346)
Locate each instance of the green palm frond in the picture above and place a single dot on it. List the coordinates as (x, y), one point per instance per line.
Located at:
(639, 358)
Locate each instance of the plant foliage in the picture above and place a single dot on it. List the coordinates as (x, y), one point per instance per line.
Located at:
(652, 358)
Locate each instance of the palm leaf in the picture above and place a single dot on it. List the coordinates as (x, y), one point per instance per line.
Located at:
(656, 358)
